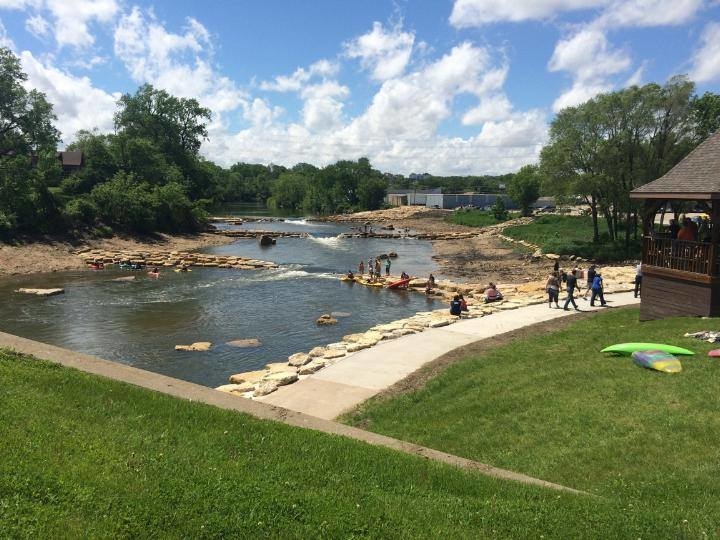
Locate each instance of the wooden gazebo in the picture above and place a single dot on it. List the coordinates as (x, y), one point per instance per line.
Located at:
(682, 277)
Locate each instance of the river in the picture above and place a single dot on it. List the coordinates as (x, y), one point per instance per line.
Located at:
(139, 322)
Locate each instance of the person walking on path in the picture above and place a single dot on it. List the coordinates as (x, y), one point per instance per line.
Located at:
(387, 267)
(638, 280)
(552, 287)
(597, 290)
(571, 286)
(590, 278)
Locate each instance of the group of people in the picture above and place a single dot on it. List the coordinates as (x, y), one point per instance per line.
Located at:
(689, 229)
(595, 286)
(458, 305)
(374, 268)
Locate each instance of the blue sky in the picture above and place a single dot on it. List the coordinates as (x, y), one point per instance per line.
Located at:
(440, 86)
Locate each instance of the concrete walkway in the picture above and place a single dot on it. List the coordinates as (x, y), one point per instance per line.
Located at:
(359, 376)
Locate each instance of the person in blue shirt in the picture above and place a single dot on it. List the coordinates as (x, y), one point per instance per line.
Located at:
(596, 291)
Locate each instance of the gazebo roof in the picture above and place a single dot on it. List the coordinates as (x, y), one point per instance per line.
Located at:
(696, 177)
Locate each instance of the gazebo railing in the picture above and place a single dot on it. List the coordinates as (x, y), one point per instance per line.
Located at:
(682, 255)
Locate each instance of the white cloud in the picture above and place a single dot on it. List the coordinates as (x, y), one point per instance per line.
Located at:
(76, 102)
(706, 59)
(469, 13)
(648, 13)
(323, 106)
(260, 113)
(591, 61)
(385, 52)
(178, 63)
(495, 107)
(399, 131)
(323, 69)
(37, 26)
(72, 18)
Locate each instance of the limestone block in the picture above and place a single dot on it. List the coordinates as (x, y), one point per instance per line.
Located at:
(41, 292)
(197, 346)
(312, 367)
(265, 388)
(317, 351)
(298, 359)
(249, 342)
(236, 388)
(248, 377)
(354, 347)
(279, 366)
(282, 378)
(334, 353)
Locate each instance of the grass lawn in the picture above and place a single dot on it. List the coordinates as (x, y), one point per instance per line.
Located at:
(554, 228)
(554, 407)
(82, 456)
(472, 218)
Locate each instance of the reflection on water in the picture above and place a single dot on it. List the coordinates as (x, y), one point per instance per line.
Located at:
(139, 322)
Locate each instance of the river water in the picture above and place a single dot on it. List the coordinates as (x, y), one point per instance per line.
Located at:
(139, 322)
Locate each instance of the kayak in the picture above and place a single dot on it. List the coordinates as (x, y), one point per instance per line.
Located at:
(398, 284)
(657, 360)
(629, 348)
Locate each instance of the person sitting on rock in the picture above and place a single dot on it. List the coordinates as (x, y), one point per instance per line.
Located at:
(456, 306)
(492, 294)
(463, 304)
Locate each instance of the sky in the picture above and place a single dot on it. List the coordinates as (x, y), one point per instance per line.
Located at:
(449, 87)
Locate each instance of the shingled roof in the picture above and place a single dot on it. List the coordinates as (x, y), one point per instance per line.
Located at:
(696, 177)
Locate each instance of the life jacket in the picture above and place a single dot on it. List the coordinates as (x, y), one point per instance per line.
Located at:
(455, 307)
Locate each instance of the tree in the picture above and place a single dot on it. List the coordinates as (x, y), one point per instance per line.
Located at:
(26, 118)
(706, 114)
(498, 209)
(28, 143)
(524, 188)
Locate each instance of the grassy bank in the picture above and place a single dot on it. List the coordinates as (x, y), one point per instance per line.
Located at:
(472, 218)
(553, 406)
(572, 235)
(82, 456)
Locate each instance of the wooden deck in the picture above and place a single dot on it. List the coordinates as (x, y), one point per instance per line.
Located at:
(680, 278)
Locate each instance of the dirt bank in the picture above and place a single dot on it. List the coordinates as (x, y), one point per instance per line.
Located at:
(42, 254)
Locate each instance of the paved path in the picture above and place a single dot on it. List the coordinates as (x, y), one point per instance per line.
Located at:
(359, 376)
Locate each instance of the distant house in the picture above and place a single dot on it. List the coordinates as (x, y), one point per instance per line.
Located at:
(70, 161)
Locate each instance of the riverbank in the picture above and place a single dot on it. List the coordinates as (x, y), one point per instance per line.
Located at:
(45, 254)
(484, 256)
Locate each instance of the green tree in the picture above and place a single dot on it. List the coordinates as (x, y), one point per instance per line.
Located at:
(28, 144)
(706, 114)
(498, 209)
(524, 188)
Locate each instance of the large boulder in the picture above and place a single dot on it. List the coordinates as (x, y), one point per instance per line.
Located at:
(237, 389)
(265, 388)
(248, 377)
(324, 320)
(266, 240)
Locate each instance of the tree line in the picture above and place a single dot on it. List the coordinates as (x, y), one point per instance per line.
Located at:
(147, 175)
